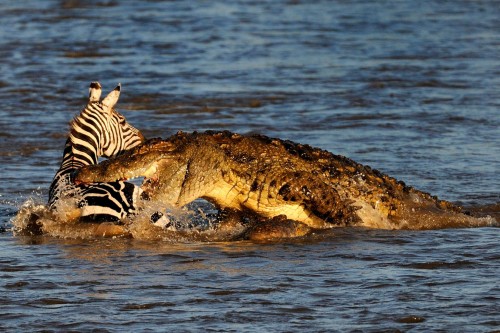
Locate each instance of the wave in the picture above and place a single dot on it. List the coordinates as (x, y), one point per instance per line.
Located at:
(193, 224)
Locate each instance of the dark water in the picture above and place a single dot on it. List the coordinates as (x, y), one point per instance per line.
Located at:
(409, 87)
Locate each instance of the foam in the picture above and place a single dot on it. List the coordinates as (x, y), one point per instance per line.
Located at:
(197, 225)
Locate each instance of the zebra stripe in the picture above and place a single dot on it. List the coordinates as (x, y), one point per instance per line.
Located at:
(97, 131)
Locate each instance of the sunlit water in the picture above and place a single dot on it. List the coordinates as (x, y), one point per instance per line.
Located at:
(410, 88)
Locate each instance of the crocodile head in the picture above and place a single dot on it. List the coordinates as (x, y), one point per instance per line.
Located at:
(143, 161)
(138, 162)
(186, 171)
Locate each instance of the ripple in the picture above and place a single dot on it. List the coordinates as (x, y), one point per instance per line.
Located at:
(146, 306)
(17, 285)
(410, 320)
(443, 265)
(222, 292)
(50, 301)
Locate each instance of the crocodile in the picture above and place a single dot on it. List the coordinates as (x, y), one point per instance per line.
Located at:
(271, 177)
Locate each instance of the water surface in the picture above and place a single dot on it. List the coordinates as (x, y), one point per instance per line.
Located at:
(410, 88)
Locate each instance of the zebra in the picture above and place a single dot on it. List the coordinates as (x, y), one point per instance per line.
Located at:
(99, 130)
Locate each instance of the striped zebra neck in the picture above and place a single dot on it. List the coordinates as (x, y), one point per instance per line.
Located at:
(74, 157)
(83, 147)
(71, 162)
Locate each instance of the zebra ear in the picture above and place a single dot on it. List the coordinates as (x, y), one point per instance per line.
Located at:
(112, 98)
(94, 91)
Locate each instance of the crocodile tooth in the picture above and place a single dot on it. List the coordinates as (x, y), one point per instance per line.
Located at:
(150, 172)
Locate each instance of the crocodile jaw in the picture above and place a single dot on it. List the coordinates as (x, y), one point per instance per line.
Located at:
(110, 172)
(141, 161)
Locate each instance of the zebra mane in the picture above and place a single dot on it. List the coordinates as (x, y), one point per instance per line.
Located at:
(73, 125)
(77, 122)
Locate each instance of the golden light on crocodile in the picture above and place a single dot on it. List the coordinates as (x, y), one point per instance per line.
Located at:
(271, 178)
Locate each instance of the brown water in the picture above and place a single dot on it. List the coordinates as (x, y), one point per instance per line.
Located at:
(410, 88)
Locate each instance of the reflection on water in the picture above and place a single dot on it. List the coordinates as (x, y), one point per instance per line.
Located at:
(409, 88)
(351, 278)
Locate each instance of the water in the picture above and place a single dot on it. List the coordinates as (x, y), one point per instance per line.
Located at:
(410, 88)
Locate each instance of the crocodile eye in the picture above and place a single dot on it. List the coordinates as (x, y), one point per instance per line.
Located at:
(284, 191)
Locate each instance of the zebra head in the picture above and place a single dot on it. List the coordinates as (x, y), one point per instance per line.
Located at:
(100, 129)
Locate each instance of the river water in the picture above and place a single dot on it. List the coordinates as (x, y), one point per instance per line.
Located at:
(411, 88)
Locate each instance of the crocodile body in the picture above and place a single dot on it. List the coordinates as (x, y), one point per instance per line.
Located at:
(272, 177)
